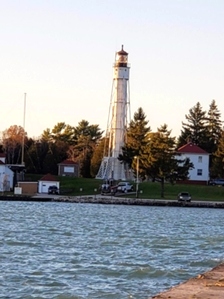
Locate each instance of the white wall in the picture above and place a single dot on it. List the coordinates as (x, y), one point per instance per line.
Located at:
(6, 175)
(2, 159)
(201, 162)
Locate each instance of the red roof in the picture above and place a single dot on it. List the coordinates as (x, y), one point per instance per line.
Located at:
(191, 148)
(49, 177)
(67, 162)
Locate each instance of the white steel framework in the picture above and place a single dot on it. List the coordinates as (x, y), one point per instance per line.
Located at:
(111, 167)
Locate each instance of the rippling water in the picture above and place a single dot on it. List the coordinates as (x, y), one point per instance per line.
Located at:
(77, 251)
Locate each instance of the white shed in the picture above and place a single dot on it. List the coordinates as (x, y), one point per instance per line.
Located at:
(46, 181)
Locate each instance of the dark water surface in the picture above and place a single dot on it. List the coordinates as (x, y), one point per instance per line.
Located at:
(65, 250)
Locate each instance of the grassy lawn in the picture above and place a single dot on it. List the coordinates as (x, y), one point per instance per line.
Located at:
(80, 186)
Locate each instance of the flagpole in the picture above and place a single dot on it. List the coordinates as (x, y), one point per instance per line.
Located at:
(24, 117)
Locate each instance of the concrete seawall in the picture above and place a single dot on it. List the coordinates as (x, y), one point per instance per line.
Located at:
(205, 286)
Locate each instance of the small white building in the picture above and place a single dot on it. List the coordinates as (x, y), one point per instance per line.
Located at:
(200, 159)
(46, 181)
(6, 177)
(9, 174)
(2, 157)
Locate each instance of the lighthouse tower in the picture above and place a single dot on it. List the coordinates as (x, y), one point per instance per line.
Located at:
(111, 167)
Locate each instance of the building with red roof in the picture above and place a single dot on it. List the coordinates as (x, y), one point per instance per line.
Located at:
(200, 159)
(46, 181)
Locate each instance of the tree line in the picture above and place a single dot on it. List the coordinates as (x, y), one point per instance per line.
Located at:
(85, 144)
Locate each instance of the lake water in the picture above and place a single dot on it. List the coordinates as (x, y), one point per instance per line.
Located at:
(77, 251)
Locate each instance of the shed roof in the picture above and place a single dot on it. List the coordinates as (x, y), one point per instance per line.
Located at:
(49, 177)
(67, 162)
(191, 148)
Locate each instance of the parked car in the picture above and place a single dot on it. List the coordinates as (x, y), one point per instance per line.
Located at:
(125, 187)
(53, 190)
(217, 182)
(184, 196)
(107, 187)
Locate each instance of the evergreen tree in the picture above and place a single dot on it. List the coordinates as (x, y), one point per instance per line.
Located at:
(160, 158)
(100, 151)
(214, 127)
(195, 129)
(136, 140)
(35, 157)
(217, 168)
(87, 137)
(29, 157)
(64, 141)
(47, 136)
(63, 132)
(60, 132)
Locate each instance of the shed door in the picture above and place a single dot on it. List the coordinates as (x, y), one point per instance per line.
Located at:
(44, 188)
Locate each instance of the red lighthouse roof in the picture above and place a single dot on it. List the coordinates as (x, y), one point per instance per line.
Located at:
(122, 52)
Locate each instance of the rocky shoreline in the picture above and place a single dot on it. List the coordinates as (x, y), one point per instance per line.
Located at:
(97, 199)
(100, 199)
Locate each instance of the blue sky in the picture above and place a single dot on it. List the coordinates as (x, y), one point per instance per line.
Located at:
(61, 54)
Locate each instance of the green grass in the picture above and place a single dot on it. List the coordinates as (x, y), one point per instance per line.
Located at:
(72, 186)
(198, 192)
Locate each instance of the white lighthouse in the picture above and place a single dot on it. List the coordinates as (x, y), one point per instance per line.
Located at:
(111, 167)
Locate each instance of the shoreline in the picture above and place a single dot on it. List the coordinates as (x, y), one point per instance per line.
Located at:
(207, 285)
(138, 201)
(99, 199)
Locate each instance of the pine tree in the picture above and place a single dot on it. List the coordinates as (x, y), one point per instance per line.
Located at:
(136, 140)
(217, 168)
(99, 152)
(87, 137)
(195, 130)
(160, 158)
(214, 127)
